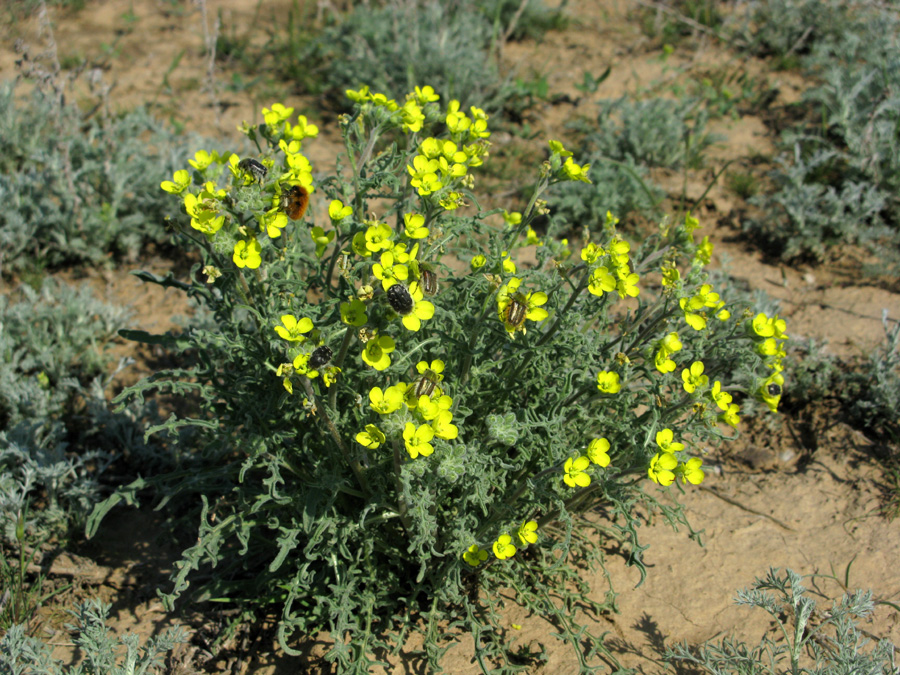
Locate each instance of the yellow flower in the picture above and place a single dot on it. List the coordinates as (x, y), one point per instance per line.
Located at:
(247, 254)
(515, 307)
(337, 211)
(415, 226)
(598, 451)
(475, 555)
(417, 440)
(503, 547)
(661, 467)
(377, 350)
(293, 330)
(528, 532)
(574, 474)
(608, 382)
(371, 438)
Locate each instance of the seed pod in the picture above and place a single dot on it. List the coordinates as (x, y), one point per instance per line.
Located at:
(254, 167)
(426, 384)
(429, 282)
(400, 299)
(774, 389)
(515, 313)
(320, 357)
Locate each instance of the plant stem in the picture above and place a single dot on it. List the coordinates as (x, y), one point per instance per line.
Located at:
(355, 466)
(402, 507)
(342, 353)
(559, 317)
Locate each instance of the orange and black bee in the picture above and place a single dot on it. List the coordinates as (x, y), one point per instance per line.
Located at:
(294, 201)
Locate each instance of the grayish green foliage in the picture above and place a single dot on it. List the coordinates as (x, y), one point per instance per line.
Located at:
(839, 172)
(103, 653)
(78, 188)
(395, 46)
(809, 640)
(628, 138)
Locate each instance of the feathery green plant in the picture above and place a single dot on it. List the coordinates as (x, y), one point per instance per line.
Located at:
(808, 640)
(397, 420)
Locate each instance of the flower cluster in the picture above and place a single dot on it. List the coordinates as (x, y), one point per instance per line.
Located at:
(418, 412)
(665, 465)
(769, 335)
(610, 268)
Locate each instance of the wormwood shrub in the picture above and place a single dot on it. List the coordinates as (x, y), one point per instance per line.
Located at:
(807, 640)
(398, 420)
(629, 138)
(56, 431)
(103, 654)
(392, 46)
(75, 188)
(839, 173)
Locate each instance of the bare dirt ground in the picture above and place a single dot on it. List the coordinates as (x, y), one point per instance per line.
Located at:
(771, 499)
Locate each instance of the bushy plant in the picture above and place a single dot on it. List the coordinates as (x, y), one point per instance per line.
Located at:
(628, 138)
(56, 430)
(397, 419)
(395, 45)
(839, 173)
(54, 343)
(75, 187)
(103, 654)
(789, 29)
(808, 640)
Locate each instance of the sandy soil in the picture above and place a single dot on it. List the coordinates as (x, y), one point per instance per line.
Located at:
(771, 500)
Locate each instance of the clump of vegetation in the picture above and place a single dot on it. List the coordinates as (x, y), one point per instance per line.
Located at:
(102, 653)
(377, 438)
(839, 172)
(867, 390)
(78, 188)
(627, 140)
(807, 640)
(396, 45)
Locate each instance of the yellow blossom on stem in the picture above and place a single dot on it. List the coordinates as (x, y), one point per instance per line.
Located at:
(179, 183)
(377, 350)
(475, 555)
(528, 532)
(353, 313)
(661, 468)
(385, 402)
(417, 439)
(601, 281)
(690, 471)
(414, 226)
(693, 377)
(598, 451)
(371, 438)
(247, 254)
(504, 548)
(293, 330)
(608, 382)
(665, 441)
(574, 472)
(337, 211)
